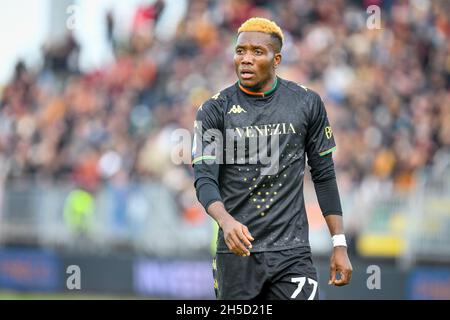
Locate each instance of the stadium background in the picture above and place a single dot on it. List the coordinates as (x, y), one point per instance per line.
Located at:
(90, 92)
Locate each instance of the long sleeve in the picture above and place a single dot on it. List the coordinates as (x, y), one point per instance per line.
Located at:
(319, 148)
(207, 151)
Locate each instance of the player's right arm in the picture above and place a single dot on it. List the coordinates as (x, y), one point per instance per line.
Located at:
(207, 154)
(237, 236)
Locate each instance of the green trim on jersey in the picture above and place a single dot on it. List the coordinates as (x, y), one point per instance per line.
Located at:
(327, 151)
(262, 94)
(273, 87)
(203, 158)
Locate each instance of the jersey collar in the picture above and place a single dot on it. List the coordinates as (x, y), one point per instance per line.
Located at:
(260, 94)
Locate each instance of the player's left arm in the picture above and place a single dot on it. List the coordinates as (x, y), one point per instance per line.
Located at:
(319, 147)
(339, 261)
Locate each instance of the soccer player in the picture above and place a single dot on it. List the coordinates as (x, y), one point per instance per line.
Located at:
(263, 249)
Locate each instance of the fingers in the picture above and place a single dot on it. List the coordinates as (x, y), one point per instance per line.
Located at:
(231, 245)
(238, 238)
(342, 281)
(247, 234)
(345, 277)
(235, 245)
(332, 275)
(245, 238)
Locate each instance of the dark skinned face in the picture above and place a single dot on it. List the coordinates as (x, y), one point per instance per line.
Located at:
(255, 60)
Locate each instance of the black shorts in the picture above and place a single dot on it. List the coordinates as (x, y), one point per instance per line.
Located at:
(273, 275)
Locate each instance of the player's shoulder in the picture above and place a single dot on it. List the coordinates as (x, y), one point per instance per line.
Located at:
(217, 102)
(301, 91)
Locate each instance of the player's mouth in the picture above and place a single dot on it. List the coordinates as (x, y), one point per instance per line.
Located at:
(247, 74)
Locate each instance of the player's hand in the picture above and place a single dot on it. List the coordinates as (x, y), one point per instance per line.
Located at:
(340, 263)
(237, 237)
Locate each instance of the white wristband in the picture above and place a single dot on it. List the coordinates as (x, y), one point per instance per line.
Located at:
(339, 240)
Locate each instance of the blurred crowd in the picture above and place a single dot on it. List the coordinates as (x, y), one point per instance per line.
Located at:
(386, 91)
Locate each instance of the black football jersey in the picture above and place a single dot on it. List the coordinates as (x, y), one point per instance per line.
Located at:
(266, 196)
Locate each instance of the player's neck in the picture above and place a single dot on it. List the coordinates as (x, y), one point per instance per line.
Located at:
(273, 85)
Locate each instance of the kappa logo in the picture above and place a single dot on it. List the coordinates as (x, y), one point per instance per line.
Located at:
(236, 109)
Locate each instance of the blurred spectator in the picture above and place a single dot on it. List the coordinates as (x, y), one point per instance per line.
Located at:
(62, 57)
(78, 212)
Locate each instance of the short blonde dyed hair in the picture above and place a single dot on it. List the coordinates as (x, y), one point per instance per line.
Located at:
(262, 25)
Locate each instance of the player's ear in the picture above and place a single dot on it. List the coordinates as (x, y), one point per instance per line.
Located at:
(276, 60)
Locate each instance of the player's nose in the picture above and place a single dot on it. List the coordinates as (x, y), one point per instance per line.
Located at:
(247, 59)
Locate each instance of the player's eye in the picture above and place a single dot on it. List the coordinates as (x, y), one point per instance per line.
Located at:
(239, 51)
(258, 52)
